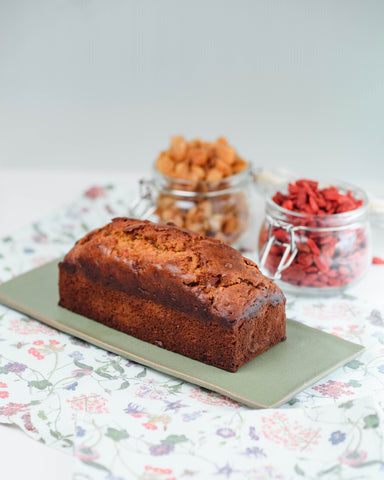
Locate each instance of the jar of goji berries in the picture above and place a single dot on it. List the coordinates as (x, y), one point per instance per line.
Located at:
(224, 209)
(315, 238)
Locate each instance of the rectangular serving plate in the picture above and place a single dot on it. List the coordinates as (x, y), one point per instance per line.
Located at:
(267, 381)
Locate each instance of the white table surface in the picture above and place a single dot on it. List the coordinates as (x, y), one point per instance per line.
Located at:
(26, 196)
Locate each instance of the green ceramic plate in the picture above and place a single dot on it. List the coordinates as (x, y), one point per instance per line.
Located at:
(269, 380)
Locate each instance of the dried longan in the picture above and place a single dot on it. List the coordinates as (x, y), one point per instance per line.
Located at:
(182, 158)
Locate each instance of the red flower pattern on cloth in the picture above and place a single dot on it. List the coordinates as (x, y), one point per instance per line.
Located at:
(24, 326)
(36, 353)
(13, 409)
(3, 393)
(92, 403)
(279, 428)
(334, 389)
(157, 473)
(212, 398)
(44, 348)
(150, 426)
(95, 192)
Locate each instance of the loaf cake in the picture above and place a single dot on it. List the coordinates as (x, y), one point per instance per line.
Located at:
(181, 291)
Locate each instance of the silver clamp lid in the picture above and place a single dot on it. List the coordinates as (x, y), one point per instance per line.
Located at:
(145, 203)
(290, 251)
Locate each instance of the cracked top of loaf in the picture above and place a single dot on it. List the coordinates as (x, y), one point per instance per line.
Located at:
(187, 272)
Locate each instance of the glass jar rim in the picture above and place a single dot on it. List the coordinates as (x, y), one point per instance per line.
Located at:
(231, 179)
(343, 216)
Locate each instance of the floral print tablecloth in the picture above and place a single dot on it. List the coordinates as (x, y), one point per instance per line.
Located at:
(121, 420)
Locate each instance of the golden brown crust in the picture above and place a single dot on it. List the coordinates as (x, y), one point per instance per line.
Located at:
(173, 274)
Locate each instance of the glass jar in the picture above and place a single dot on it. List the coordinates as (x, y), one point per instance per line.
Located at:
(315, 254)
(226, 209)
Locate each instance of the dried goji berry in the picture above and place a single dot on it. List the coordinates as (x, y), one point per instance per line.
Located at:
(312, 245)
(281, 235)
(377, 261)
(304, 196)
(306, 260)
(321, 264)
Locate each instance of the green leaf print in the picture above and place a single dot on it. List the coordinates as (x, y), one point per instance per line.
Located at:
(116, 435)
(174, 439)
(124, 385)
(117, 367)
(371, 421)
(55, 434)
(354, 364)
(142, 374)
(298, 470)
(101, 371)
(42, 415)
(96, 465)
(83, 366)
(354, 383)
(40, 384)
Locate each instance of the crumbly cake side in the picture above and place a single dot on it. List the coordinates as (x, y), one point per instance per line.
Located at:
(178, 290)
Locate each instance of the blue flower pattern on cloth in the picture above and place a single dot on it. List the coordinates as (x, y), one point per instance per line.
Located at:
(337, 437)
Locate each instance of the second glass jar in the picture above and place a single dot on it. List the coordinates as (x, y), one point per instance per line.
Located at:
(315, 254)
(225, 209)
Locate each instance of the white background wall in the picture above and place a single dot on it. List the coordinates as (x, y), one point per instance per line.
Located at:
(103, 84)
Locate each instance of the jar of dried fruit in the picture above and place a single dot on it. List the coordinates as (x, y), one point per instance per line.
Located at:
(204, 187)
(315, 240)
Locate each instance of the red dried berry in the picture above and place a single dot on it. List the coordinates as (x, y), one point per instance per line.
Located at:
(305, 197)
(377, 261)
(312, 245)
(305, 259)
